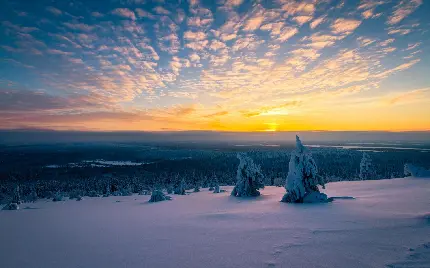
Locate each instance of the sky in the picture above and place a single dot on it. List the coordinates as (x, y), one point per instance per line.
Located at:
(225, 65)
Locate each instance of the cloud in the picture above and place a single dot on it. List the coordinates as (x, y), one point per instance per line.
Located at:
(144, 14)
(217, 114)
(96, 14)
(342, 26)
(233, 3)
(197, 45)
(293, 7)
(54, 11)
(272, 110)
(125, 13)
(165, 57)
(18, 101)
(317, 22)
(287, 33)
(189, 35)
(400, 67)
(161, 11)
(217, 45)
(400, 31)
(79, 26)
(253, 23)
(402, 10)
(406, 97)
(59, 52)
(302, 19)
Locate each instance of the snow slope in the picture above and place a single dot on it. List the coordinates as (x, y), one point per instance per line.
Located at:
(386, 225)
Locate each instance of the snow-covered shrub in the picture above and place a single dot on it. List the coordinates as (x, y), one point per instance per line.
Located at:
(117, 193)
(57, 197)
(249, 177)
(11, 206)
(366, 169)
(218, 190)
(144, 192)
(180, 189)
(126, 191)
(92, 194)
(302, 178)
(75, 194)
(158, 195)
(415, 171)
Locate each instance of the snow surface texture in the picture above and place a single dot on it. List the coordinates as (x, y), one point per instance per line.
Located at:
(386, 225)
(303, 179)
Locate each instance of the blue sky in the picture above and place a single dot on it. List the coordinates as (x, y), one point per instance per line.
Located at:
(215, 65)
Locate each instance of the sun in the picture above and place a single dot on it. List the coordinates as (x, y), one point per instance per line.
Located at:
(272, 127)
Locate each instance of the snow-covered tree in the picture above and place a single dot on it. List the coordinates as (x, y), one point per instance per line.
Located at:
(158, 195)
(366, 169)
(197, 188)
(213, 183)
(217, 190)
(107, 191)
(16, 196)
(32, 197)
(180, 189)
(249, 177)
(303, 179)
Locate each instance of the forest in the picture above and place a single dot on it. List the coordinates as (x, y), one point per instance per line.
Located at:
(96, 169)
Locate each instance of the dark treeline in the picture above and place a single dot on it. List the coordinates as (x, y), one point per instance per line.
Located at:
(166, 166)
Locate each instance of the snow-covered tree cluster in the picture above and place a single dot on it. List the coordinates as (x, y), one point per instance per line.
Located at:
(158, 195)
(366, 167)
(303, 179)
(415, 171)
(249, 177)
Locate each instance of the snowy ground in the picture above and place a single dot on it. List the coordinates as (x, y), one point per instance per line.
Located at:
(386, 225)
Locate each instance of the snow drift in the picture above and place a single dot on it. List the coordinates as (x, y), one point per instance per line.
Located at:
(377, 229)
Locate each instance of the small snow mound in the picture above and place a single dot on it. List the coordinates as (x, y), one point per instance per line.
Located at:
(316, 197)
(11, 206)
